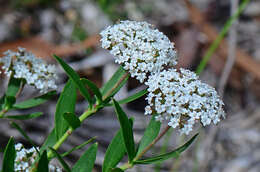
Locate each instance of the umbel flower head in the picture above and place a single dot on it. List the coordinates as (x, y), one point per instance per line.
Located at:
(141, 49)
(25, 158)
(25, 65)
(181, 99)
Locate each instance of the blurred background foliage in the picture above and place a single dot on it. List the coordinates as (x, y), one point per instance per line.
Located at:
(70, 29)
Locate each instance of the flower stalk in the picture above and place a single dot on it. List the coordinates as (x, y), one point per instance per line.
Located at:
(85, 115)
(3, 112)
(69, 131)
(130, 165)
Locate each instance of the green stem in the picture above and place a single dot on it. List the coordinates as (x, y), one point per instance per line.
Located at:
(60, 141)
(115, 86)
(220, 37)
(163, 149)
(130, 165)
(6, 109)
(86, 114)
(153, 142)
(2, 112)
(126, 166)
(23, 82)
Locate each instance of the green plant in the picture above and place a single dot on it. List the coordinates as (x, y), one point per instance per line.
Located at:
(66, 119)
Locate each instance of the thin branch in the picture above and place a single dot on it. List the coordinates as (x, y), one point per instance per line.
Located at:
(232, 40)
(115, 86)
(153, 142)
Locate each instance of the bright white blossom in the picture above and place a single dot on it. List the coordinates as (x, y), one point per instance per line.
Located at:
(141, 49)
(25, 158)
(25, 65)
(182, 99)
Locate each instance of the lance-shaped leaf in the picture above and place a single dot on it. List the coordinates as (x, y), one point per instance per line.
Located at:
(127, 131)
(87, 160)
(34, 101)
(72, 120)
(173, 154)
(116, 170)
(115, 152)
(43, 165)
(93, 88)
(13, 86)
(63, 163)
(150, 134)
(75, 78)
(114, 84)
(78, 147)
(25, 116)
(9, 156)
(66, 103)
(131, 98)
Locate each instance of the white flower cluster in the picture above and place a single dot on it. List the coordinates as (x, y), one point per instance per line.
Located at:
(182, 99)
(177, 97)
(25, 158)
(35, 71)
(141, 49)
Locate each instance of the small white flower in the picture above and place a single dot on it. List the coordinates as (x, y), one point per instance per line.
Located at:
(18, 146)
(182, 98)
(25, 65)
(141, 49)
(25, 158)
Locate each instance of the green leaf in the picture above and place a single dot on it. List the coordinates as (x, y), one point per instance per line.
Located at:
(115, 83)
(78, 147)
(34, 101)
(131, 98)
(116, 170)
(75, 78)
(173, 154)
(49, 141)
(9, 156)
(63, 163)
(93, 88)
(127, 131)
(13, 124)
(87, 160)
(13, 86)
(24, 117)
(43, 165)
(150, 134)
(9, 101)
(2, 101)
(115, 152)
(66, 103)
(72, 120)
